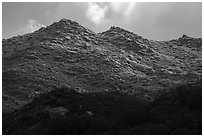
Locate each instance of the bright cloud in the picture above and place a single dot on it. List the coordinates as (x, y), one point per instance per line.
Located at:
(124, 8)
(129, 8)
(31, 26)
(116, 6)
(96, 12)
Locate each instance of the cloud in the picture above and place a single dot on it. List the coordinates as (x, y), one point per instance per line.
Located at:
(99, 13)
(124, 8)
(96, 12)
(31, 26)
(129, 8)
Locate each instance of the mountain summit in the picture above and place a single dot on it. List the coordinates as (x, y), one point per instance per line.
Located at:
(68, 54)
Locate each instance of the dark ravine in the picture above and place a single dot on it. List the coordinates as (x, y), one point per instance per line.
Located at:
(66, 54)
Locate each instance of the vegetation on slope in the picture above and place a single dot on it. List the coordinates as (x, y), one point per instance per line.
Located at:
(65, 111)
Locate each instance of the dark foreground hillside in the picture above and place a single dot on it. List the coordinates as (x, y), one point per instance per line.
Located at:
(65, 111)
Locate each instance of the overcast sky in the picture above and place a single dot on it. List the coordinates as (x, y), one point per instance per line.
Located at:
(156, 21)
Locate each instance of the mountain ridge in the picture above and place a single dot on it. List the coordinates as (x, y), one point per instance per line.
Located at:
(71, 22)
(68, 54)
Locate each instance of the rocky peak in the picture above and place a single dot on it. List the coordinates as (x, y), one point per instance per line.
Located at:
(68, 21)
(116, 30)
(68, 26)
(120, 32)
(65, 23)
(186, 37)
(190, 42)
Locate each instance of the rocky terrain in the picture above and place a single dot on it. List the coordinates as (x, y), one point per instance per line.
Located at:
(68, 54)
(117, 61)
